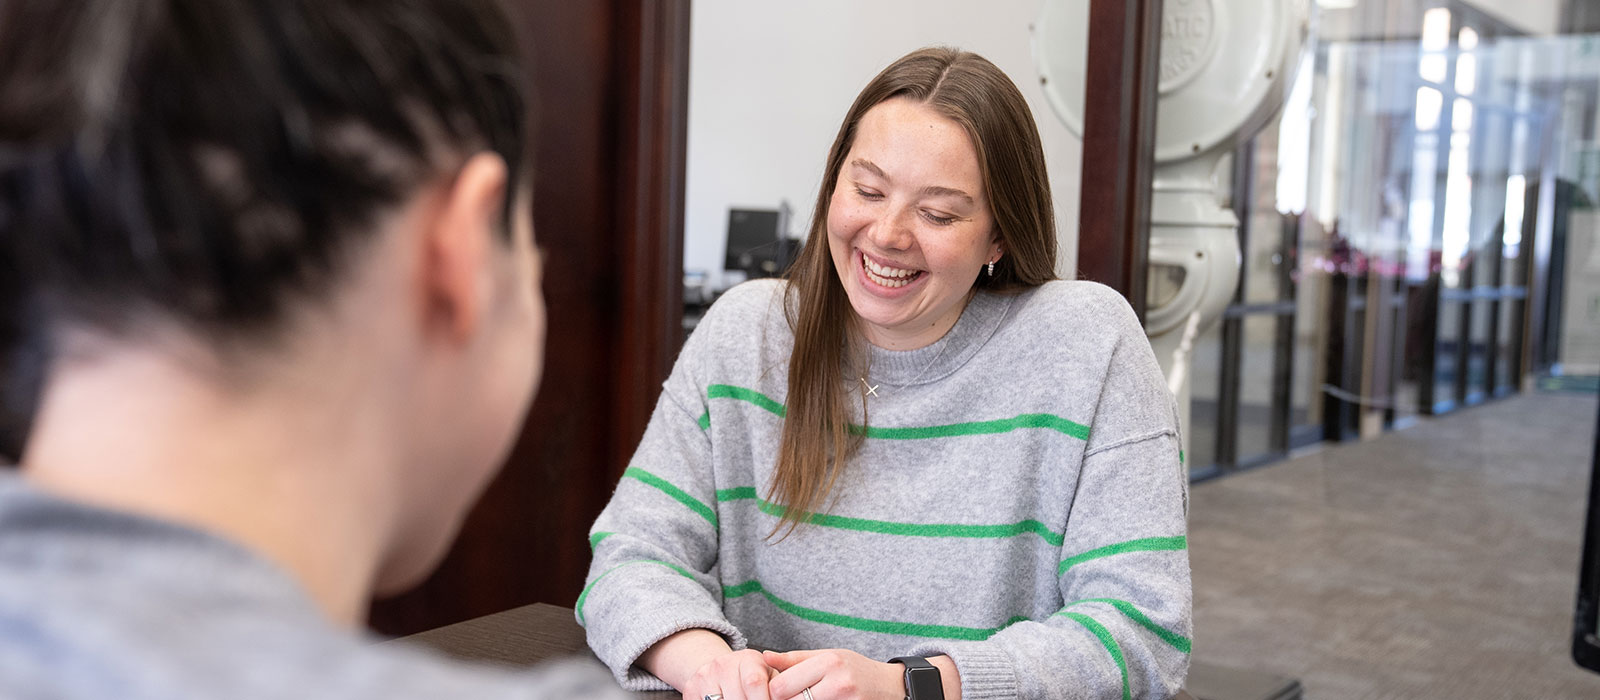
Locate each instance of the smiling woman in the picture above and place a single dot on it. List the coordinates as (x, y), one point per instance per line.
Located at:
(1008, 522)
(953, 129)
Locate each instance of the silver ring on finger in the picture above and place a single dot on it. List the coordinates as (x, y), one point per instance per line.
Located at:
(712, 696)
(807, 693)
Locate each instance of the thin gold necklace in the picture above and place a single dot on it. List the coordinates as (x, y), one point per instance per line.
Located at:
(872, 389)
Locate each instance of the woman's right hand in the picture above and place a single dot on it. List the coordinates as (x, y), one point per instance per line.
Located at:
(736, 675)
(699, 662)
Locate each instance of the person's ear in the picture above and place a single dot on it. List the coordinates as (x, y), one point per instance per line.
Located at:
(996, 249)
(458, 247)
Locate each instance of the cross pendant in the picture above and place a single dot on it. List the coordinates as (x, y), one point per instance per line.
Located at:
(871, 390)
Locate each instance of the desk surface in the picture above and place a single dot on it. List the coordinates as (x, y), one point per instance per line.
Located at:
(524, 636)
(516, 638)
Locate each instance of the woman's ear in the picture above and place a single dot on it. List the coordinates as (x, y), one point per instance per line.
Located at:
(458, 244)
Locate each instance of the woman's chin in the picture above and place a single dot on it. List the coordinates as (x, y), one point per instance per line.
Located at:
(880, 312)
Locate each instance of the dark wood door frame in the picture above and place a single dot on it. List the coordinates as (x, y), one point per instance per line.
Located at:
(654, 75)
(1119, 127)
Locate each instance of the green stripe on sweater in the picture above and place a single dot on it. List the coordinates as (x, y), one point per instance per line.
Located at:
(1178, 641)
(886, 527)
(1148, 544)
(1109, 643)
(596, 538)
(583, 596)
(737, 493)
(728, 391)
(865, 624)
(988, 427)
(680, 495)
(1003, 530)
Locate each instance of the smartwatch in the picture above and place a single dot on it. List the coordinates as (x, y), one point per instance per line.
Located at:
(922, 678)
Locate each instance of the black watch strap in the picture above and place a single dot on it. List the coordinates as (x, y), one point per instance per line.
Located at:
(922, 678)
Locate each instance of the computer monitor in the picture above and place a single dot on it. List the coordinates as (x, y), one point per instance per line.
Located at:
(757, 243)
(1586, 617)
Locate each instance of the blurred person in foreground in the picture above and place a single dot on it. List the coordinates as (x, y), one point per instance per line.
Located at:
(279, 255)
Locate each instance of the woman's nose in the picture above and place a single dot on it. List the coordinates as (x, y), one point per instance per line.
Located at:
(893, 230)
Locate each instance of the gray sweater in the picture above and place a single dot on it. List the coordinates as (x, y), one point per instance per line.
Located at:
(96, 604)
(1018, 504)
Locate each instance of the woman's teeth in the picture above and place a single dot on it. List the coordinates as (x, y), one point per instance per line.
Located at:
(887, 276)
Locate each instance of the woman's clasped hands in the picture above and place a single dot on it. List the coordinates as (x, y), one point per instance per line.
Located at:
(823, 674)
(736, 675)
(834, 674)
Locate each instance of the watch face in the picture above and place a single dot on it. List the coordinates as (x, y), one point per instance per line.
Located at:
(923, 684)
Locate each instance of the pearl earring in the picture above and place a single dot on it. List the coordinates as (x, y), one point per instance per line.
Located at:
(991, 268)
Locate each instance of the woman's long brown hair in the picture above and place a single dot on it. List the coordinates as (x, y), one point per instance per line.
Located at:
(969, 90)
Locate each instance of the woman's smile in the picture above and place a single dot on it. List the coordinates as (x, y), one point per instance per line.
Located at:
(888, 278)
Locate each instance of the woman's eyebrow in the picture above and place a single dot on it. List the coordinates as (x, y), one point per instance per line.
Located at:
(870, 167)
(931, 190)
(937, 191)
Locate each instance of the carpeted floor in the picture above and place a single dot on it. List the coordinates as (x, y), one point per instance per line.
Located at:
(1438, 561)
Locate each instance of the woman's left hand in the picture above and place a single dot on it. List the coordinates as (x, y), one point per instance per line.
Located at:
(834, 674)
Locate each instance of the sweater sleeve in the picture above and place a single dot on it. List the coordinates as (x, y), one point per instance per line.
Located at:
(1123, 570)
(655, 565)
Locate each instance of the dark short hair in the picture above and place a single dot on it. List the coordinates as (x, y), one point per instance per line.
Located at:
(205, 162)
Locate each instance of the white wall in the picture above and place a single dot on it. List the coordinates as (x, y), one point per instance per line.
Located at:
(770, 81)
(1532, 16)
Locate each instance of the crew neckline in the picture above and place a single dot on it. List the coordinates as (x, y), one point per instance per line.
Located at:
(939, 359)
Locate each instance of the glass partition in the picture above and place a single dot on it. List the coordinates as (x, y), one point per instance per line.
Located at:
(1407, 228)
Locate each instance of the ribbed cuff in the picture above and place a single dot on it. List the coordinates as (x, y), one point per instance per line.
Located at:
(986, 671)
(625, 619)
(644, 631)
